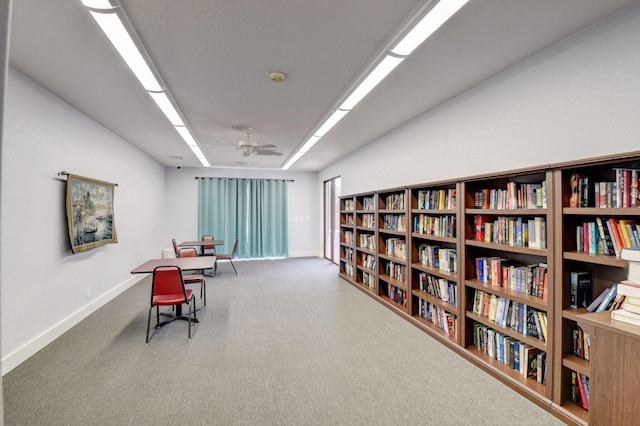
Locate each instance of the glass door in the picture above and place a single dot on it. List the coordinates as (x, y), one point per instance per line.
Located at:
(332, 190)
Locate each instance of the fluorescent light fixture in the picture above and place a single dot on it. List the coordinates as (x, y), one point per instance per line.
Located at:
(376, 76)
(167, 107)
(98, 4)
(186, 135)
(433, 20)
(330, 122)
(203, 160)
(292, 160)
(309, 143)
(122, 41)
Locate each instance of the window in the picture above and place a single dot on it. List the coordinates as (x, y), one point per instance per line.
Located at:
(332, 191)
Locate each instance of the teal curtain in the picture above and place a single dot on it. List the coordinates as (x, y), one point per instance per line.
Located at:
(254, 210)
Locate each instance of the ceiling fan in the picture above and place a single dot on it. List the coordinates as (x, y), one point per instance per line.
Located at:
(250, 146)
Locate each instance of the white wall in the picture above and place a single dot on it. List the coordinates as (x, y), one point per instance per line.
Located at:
(577, 99)
(304, 212)
(44, 285)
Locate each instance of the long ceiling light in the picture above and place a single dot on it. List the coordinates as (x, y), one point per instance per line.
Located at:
(384, 68)
(111, 19)
(429, 24)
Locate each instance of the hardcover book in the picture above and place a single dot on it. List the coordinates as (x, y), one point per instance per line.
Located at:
(581, 289)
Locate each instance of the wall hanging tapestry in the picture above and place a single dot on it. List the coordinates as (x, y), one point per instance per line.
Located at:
(90, 213)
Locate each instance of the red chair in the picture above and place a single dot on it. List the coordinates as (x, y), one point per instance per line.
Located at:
(175, 246)
(228, 257)
(208, 250)
(194, 278)
(167, 289)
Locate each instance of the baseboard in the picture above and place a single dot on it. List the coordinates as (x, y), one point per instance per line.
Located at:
(305, 254)
(20, 355)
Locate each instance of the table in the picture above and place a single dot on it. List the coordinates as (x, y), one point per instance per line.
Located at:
(201, 244)
(184, 263)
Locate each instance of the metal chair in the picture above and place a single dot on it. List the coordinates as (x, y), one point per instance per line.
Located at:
(228, 257)
(194, 278)
(208, 250)
(167, 289)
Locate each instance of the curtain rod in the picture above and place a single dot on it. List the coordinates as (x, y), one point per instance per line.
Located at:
(219, 177)
(63, 173)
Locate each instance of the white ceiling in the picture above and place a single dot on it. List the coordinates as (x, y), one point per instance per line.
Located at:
(216, 55)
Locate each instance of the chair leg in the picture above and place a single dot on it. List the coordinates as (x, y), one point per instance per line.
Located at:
(148, 324)
(157, 316)
(234, 266)
(203, 291)
(189, 321)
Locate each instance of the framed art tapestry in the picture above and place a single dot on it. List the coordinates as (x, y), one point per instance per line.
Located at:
(90, 213)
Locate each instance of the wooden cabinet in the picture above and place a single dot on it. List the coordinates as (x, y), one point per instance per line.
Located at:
(613, 370)
(591, 197)
(507, 292)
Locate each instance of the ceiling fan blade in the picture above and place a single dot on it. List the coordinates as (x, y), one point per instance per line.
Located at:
(267, 152)
(267, 146)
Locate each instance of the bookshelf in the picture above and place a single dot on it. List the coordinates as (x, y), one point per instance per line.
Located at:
(433, 253)
(393, 268)
(589, 194)
(366, 242)
(347, 238)
(506, 292)
(515, 239)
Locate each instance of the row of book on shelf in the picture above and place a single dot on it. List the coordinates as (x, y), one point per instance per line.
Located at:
(619, 193)
(529, 361)
(368, 220)
(607, 236)
(514, 196)
(621, 298)
(501, 272)
(368, 203)
(445, 321)
(437, 199)
(444, 259)
(441, 288)
(394, 222)
(513, 231)
(506, 313)
(395, 201)
(438, 226)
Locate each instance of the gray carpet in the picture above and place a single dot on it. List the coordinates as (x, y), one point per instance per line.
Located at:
(286, 342)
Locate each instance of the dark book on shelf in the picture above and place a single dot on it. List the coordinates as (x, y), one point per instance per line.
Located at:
(581, 289)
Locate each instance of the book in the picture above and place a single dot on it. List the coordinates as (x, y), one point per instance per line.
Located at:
(631, 254)
(581, 289)
(631, 304)
(583, 393)
(626, 316)
(574, 190)
(633, 271)
(608, 298)
(596, 302)
(628, 288)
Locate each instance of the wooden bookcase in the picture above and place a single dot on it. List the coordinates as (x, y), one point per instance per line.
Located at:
(496, 260)
(393, 266)
(348, 238)
(606, 269)
(366, 242)
(507, 293)
(434, 244)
